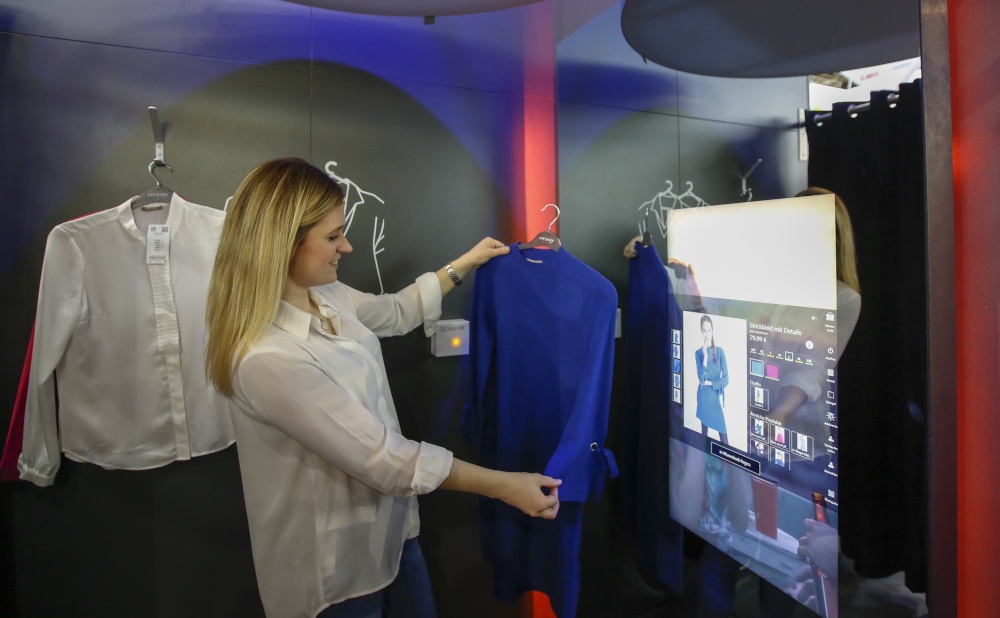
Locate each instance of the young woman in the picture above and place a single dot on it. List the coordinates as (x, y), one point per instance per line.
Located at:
(713, 377)
(329, 481)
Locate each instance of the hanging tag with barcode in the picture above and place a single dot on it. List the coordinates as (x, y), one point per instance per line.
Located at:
(158, 244)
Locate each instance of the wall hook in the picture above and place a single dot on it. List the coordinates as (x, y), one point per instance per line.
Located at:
(744, 190)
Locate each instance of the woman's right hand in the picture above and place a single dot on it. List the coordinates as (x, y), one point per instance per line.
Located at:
(630, 251)
(523, 490)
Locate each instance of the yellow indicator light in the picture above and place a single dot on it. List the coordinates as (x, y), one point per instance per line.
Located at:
(456, 342)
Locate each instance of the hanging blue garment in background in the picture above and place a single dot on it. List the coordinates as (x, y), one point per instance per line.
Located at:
(649, 411)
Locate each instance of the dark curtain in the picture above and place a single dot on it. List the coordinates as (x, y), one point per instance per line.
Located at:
(875, 162)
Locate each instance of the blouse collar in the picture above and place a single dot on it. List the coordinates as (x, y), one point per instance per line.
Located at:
(127, 219)
(297, 322)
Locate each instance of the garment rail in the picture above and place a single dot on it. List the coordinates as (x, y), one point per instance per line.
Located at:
(855, 108)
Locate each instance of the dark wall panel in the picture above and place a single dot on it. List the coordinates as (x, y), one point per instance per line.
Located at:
(597, 66)
(438, 198)
(166, 542)
(479, 51)
(612, 161)
(717, 154)
(761, 102)
(247, 30)
(605, 175)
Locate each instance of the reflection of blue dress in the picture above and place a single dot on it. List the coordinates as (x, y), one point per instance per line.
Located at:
(710, 397)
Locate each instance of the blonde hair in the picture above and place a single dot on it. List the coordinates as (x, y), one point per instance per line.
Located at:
(268, 217)
(847, 261)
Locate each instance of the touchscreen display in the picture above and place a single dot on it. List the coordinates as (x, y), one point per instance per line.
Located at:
(754, 461)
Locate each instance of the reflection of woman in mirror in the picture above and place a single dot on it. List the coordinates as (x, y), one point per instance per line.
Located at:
(800, 400)
(713, 377)
(799, 390)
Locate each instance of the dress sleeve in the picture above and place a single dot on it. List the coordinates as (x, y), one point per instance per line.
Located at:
(399, 313)
(723, 381)
(60, 306)
(295, 396)
(580, 459)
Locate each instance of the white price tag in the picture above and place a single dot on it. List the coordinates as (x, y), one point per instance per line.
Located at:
(158, 244)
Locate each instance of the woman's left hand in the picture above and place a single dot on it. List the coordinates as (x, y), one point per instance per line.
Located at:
(525, 491)
(630, 251)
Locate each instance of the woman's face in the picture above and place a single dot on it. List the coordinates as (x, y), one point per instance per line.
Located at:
(706, 332)
(317, 257)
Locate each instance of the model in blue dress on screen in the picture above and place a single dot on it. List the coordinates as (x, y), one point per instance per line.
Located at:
(713, 377)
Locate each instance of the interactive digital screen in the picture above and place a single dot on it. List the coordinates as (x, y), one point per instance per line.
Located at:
(754, 464)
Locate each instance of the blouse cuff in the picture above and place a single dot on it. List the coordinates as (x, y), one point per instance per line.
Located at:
(34, 476)
(429, 289)
(433, 468)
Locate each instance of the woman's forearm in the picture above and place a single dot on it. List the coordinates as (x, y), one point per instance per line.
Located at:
(473, 479)
(461, 267)
(521, 490)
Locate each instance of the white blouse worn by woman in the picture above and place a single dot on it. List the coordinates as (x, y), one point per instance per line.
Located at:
(330, 483)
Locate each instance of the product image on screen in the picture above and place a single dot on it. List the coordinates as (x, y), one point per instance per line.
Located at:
(754, 449)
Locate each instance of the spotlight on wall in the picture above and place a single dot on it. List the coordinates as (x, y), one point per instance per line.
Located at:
(415, 8)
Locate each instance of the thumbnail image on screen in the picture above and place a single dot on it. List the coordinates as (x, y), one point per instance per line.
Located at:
(715, 370)
(756, 454)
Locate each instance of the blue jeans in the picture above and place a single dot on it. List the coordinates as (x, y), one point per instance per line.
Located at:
(408, 596)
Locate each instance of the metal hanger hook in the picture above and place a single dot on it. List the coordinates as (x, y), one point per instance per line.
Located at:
(557, 214)
(155, 164)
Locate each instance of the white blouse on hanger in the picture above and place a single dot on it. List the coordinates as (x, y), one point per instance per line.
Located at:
(120, 344)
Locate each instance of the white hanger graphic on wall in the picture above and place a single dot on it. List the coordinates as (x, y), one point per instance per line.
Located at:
(668, 200)
(661, 202)
(377, 238)
(355, 196)
(350, 188)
